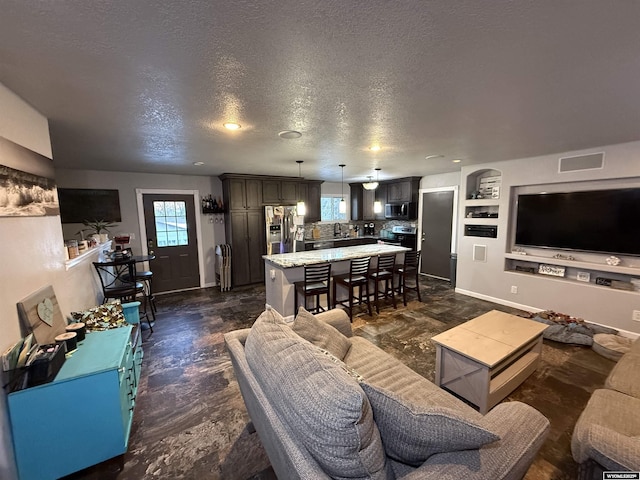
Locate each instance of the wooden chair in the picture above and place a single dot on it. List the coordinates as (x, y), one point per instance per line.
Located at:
(316, 282)
(115, 278)
(358, 277)
(409, 269)
(383, 272)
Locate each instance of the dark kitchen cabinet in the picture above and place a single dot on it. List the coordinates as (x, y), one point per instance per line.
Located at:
(246, 235)
(362, 202)
(279, 192)
(403, 190)
(242, 193)
(313, 202)
(245, 197)
(380, 195)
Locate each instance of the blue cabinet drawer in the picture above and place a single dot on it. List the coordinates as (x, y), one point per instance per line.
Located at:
(88, 405)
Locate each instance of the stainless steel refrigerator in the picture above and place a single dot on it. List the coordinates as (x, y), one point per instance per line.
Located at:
(283, 228)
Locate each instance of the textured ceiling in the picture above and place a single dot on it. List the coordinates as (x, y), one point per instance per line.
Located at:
(145, 85)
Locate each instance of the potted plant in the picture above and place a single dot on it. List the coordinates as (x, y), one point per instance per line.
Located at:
(99, 228)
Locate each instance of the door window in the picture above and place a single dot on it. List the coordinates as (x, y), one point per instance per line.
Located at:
(171, 223)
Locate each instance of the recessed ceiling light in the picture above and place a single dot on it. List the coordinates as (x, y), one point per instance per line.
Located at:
(232, 126)
(431, 157)
(457, 160)
(375, 148)
(289, 134)
(198, 164)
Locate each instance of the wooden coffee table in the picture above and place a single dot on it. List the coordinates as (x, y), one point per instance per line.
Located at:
(485, 359)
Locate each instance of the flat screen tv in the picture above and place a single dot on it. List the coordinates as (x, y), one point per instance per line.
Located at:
(604, 221)
(78, 205)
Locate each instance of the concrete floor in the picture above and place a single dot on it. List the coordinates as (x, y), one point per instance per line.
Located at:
(190, 420)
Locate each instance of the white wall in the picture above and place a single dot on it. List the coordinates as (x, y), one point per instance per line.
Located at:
(127, 183)
(490, 280)
(32, 253)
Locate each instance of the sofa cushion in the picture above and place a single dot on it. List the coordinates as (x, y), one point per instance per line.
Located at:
(412, 432)
(624, 376)
(381, 369)
(326, 408)
(320, 333)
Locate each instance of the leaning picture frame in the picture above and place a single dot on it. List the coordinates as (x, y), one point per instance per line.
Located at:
(553, 270)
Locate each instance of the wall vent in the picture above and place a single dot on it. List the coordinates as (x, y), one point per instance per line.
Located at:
(592, 161)
(479, 253)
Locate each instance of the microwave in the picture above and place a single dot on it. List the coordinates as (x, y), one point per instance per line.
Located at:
(401, 211)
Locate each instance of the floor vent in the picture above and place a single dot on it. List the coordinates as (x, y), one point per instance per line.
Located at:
(592, 161)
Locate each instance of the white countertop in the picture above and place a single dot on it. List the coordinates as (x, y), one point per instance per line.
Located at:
(300, 259)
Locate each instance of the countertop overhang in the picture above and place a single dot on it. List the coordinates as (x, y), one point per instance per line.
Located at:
(300, 259)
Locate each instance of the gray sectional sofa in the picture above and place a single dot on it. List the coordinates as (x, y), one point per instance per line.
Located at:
(607, 434)
(327, 404)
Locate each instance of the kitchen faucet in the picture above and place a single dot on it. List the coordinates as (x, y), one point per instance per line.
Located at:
(337, 229)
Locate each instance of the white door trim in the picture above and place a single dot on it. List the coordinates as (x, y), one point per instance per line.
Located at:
(454, 222)
(143, 230)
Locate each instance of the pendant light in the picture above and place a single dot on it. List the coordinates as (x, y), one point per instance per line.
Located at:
(301, 208)
(377, 205)
(371, 185)
(342, 208)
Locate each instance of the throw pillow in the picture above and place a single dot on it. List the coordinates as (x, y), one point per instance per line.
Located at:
(321, 333)
(321, 404)
(411, 433)
(102, 317)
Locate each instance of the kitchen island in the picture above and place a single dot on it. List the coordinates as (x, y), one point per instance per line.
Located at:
(283, 270)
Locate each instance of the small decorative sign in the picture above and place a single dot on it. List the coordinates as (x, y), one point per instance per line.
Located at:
(583, 276)
(553, 270)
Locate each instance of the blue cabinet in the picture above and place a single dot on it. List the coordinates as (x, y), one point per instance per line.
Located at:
(84, 416)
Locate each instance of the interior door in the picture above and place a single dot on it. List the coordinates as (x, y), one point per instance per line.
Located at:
(171, 234)
(436, 227)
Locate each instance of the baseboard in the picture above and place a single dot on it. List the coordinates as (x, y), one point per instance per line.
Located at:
(499, 301)
(528, 308)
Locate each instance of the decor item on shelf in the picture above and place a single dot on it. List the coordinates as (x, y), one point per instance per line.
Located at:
(553, 270)
(475, 195)
(301, 208)
(342, 207)
(100, 228)
(563, 257)
(518, 251)
(613, 260)
(211, 205)
(583, 276)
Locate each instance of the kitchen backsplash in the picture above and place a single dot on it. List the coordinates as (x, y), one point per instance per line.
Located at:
(327, 229)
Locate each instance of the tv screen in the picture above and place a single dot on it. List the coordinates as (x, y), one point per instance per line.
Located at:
(606, 221)
(78, 205)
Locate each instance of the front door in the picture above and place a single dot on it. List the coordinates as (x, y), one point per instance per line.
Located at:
(171, 235)
(436, 228)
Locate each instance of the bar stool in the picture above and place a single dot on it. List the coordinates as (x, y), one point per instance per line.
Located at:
(115, 279)
(356, 278)
(384, 273)
(316, 282)
(408, 269)
(146, 278)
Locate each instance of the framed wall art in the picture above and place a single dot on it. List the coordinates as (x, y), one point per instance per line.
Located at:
(27, 185)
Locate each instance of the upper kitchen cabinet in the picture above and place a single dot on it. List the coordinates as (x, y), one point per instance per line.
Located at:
(361, 202)
(279, 192)
(403, 190)
(310, 191)
(380, 195)
(241, 193)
